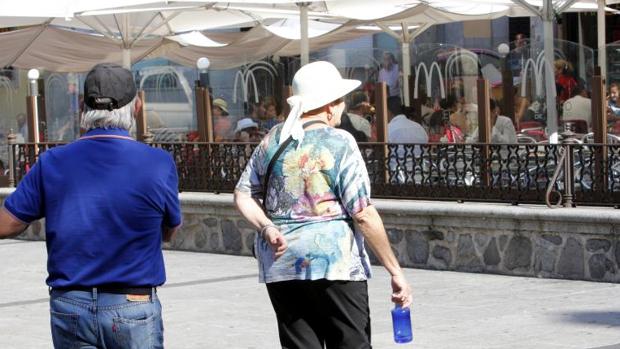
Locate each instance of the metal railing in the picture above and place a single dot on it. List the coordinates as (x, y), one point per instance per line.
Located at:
(512, 173)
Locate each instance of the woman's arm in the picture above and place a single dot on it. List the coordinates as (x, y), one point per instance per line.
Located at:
(370, 224)
(253, 212)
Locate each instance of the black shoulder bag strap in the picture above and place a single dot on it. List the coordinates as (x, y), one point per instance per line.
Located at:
(275, 157)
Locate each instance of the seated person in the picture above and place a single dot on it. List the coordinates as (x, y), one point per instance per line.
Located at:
(503, 131)
(441, 131)
(578, 107)
(457, 117)
(221, 120)
(402, 130)
(247, 131)
(613, 108)
(354, 121)
(270, 118)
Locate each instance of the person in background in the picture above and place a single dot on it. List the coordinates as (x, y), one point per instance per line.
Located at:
(457, 117)
(247, 131)
(578, 107)
(564, 80)
(390, 74)
(402, 130)
(221, 121)
(613, 107)
(22, 128)
(108, 203)
(503, 131)
(521, 105)
(441, 131)
(271, 116)
(354, 121)
(519, 55)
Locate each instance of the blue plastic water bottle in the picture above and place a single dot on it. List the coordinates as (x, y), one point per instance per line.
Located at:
(401, 322)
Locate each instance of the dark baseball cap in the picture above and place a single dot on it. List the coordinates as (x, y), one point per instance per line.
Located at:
(108, 86)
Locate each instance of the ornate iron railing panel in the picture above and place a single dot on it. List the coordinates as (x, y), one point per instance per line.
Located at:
(512, 173)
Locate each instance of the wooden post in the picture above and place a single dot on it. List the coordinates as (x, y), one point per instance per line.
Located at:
(484, 129)
(200, 111)
(32, 119)
(599, 127)
(209, 116)
(381, 98)
(141, 121)
(381, 102)
(287, 91)
(203, 114)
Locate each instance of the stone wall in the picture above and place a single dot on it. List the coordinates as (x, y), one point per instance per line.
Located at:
(575, 243)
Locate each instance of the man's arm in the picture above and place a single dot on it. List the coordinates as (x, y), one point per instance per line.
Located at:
(370, 224)
(169, 233)
(9, 225)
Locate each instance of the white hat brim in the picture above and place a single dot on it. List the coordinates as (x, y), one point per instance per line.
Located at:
(338, 89)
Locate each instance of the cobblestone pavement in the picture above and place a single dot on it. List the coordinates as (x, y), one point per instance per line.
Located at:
(214, 301)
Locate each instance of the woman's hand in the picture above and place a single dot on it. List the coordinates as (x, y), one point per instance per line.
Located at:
(276, 240)
(401, 291)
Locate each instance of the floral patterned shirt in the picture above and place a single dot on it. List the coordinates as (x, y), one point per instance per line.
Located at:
(314, 189)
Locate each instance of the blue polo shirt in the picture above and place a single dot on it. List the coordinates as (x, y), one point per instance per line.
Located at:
(105, 198)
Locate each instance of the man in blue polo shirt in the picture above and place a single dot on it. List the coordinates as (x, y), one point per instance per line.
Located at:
(108, 201)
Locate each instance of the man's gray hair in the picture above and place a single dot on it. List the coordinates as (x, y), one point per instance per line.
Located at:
(117, 118)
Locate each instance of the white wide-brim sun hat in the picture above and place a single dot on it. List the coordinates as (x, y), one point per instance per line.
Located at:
(314, 85)
(245, 123)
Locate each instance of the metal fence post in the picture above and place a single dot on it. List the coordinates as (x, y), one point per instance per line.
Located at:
(484, 130)
(12, 141)
(599, 127)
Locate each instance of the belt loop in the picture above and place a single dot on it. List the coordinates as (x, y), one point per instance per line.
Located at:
(94, 292)
(152, 294)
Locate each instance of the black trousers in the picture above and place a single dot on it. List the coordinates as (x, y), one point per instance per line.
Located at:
(321, 313)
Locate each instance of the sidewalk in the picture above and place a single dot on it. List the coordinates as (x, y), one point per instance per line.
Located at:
(215, 301)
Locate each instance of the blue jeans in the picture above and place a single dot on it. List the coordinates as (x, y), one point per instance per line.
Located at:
(88, 319)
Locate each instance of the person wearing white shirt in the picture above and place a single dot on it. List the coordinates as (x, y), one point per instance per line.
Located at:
(402, 130)
(579, 107)
(503, 131)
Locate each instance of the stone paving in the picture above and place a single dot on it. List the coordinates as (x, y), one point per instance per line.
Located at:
(214, 301)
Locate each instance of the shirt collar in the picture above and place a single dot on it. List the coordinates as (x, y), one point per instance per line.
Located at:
(119, 132)
(399, 117)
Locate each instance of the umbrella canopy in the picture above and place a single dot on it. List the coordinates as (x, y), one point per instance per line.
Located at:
(72, 35)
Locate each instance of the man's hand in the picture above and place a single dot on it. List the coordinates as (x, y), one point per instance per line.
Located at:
(276, 240)
(401, 292)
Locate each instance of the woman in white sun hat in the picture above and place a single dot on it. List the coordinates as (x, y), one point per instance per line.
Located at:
(315, 216)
